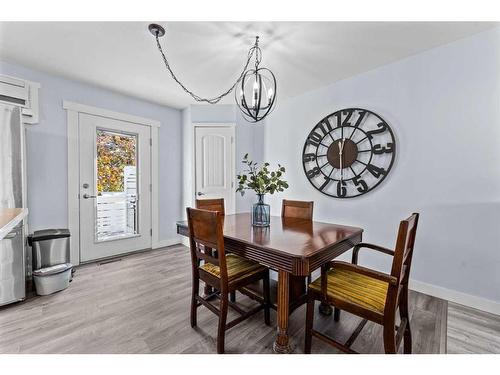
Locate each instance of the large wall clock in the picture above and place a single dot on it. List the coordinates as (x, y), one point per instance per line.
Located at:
(348, 153)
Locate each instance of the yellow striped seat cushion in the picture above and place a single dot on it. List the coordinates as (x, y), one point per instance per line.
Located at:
(237, 267)
(355, 288)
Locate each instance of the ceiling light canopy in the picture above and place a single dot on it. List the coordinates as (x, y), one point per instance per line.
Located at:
(256, 93)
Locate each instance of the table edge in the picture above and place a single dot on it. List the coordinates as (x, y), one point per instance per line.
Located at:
(356, 231)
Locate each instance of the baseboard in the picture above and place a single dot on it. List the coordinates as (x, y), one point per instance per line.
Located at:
(164, 243)
(457, 297)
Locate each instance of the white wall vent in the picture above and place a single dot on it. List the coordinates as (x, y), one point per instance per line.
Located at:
(21, 93)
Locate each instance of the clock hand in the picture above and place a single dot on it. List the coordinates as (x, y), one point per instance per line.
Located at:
(341, 145)
(341, 149)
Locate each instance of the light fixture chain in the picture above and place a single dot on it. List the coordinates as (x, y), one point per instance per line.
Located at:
(254, 49)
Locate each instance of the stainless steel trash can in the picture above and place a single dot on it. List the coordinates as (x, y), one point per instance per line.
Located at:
(52, 270)
(50, 247)
(52, 279)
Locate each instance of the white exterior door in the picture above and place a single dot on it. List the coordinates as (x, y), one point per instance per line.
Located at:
(115, 178)
(214, 158)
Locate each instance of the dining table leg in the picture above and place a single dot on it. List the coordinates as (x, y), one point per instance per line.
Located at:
(282, 344)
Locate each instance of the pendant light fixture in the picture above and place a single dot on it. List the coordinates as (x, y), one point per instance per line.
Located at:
(255, 92)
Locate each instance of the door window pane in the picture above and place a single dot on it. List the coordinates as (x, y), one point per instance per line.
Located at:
(117, 198)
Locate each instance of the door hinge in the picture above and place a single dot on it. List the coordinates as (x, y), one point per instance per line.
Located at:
(232, 139)
(232, 184)
(150, 187)
(150, 141)
(151, 232)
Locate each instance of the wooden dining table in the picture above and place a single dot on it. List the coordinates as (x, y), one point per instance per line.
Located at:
(292, 247)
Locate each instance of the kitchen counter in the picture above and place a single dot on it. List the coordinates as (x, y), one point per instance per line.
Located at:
(9, 218)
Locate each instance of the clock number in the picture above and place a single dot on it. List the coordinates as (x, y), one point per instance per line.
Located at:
(346, 120)
(341, 189)
(325, 184)
(340, 123)
(361, 116)
(376, 171)
(382, 127)
(339, 119)
(325, 126)
(379, 149)
(314, 139)
(313, 172)
(361, 184)
(309, 157)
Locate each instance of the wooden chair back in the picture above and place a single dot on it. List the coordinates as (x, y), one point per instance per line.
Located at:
(297, 209)
(211, 205)
(403, 253)
(206, 232)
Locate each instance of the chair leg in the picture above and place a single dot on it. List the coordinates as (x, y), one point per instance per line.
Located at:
(403, 313)
(309, 325)
(390, 336)
(232, 296)
(221, 332)
(267, 299)
(194, 303)
(336, 314)
(325, 308)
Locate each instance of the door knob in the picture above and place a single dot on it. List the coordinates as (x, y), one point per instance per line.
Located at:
(200, 193)
(86, 196)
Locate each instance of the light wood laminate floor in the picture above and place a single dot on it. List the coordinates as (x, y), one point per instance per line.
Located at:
(140, 304)
(472, 331)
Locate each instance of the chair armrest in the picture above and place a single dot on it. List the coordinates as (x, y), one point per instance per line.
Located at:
(356, 249)
(365, 271)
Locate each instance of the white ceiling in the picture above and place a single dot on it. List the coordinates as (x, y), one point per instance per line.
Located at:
(208, 56)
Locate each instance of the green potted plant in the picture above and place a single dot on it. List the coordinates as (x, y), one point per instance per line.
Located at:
(263, 181)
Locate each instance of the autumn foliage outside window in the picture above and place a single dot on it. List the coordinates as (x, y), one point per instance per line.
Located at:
(114, 153)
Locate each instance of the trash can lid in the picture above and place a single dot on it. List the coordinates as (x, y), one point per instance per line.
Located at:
(53, 270)
(49, 234)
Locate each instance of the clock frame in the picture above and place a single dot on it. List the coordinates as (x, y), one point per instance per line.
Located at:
(349, 152)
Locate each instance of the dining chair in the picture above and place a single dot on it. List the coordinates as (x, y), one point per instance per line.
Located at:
(216, 204)
(367, 293)
(297, 209)
(226, 273)
(211, 205)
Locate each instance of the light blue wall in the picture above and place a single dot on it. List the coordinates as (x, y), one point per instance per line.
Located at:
(47, 148)
(444, 107)
(213, 113)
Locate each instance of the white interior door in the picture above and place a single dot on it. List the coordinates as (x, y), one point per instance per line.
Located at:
(115, 178)
(214, 156)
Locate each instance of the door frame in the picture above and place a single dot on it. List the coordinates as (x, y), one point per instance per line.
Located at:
(72, 112)
(228, 125)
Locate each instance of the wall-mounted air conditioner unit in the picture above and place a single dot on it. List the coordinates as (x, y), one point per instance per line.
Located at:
(23, 94)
